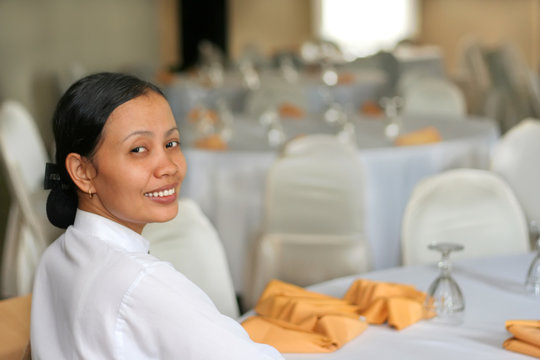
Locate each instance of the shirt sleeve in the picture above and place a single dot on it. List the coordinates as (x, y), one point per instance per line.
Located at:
(164, 315)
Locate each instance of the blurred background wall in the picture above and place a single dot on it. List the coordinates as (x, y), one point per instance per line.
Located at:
(274, 25)
(447, 22)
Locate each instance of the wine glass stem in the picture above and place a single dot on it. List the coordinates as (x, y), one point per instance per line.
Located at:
(444, 264)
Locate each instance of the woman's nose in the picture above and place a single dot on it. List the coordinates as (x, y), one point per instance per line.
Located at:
(166, 164)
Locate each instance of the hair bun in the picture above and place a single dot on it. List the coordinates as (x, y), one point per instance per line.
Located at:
(61, 207)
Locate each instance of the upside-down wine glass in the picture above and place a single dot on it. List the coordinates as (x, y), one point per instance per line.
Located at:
(532, 281)
(444, 301)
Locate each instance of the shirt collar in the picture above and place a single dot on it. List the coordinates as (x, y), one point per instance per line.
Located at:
(111, 232)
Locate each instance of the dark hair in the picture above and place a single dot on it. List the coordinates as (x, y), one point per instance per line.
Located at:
(78, 122)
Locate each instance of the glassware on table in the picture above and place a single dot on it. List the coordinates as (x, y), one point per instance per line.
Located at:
(532, 281)
(288, 69)
(329, 75)
(201, 116)
(275, 134)
(444, 301)
(347, 131)
(250, 76)
(211, 59)
(204, 121)
(347, 134)
(226, 119)
(334, 114)
(392, 110)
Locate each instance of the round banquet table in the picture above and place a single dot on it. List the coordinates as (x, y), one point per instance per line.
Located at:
(186, 93)
(493, 290)
(229, 185)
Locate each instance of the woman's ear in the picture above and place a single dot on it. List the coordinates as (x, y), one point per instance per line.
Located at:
(81, 171)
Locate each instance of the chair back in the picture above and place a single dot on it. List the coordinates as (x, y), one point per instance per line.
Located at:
(21, 145)
(316, 143)
(306, 259)
(434, 96)
(319, 192)
(28, 231)
(475, 208)
(313, 223)
(515, 158)
(191, 244)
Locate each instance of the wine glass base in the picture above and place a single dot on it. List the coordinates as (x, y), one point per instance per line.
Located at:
(454, 319)
(533, 288)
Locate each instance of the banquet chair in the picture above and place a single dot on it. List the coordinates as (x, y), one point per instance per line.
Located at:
(313, 222)
(315, 143)
(190, 243)
(475, 73)
(473, 207)
(28, 231)
(513, 158)
(512, 79)
(434, 96)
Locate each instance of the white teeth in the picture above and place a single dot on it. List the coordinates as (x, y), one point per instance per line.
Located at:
(160, 193)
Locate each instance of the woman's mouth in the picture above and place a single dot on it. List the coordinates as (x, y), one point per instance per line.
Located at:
(161, 193)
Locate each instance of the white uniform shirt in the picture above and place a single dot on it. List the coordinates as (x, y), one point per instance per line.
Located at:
(98, 294)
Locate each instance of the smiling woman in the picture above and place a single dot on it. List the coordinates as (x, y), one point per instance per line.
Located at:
(98, 293)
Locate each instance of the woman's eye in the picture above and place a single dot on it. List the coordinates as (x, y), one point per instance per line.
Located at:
(172, 144)
(138, 149)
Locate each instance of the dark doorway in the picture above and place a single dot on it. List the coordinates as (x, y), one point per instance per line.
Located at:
(202, 20)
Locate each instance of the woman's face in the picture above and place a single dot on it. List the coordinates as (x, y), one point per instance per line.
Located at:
(139, 166)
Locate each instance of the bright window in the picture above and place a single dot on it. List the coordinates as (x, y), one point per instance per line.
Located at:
(362, 27)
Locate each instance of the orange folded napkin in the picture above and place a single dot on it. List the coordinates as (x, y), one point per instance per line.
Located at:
(426, 135)
(211, 142)
(295, 320)
(371, 108)
(15, 327)
(345, 78)
(397, 304)
(526, 337)
(290, 110)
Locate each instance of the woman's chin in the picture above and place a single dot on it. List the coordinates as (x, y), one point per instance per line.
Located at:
(165, 215)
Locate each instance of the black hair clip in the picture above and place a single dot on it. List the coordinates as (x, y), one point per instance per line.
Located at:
(52, 177)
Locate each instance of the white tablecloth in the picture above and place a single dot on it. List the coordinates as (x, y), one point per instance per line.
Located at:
(229, 186)
(493, 290)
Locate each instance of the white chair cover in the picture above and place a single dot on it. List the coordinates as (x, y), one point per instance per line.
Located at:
(28, 231)
(434, 96)
(315, 143)
(190, 243)
(316, 194)
(475, 208)
(515, 158)
(313, 215)
(306, 259)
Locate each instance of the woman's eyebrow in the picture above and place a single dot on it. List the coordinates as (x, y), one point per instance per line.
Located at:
(139, 132)
(150, 133)
(171, 130)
